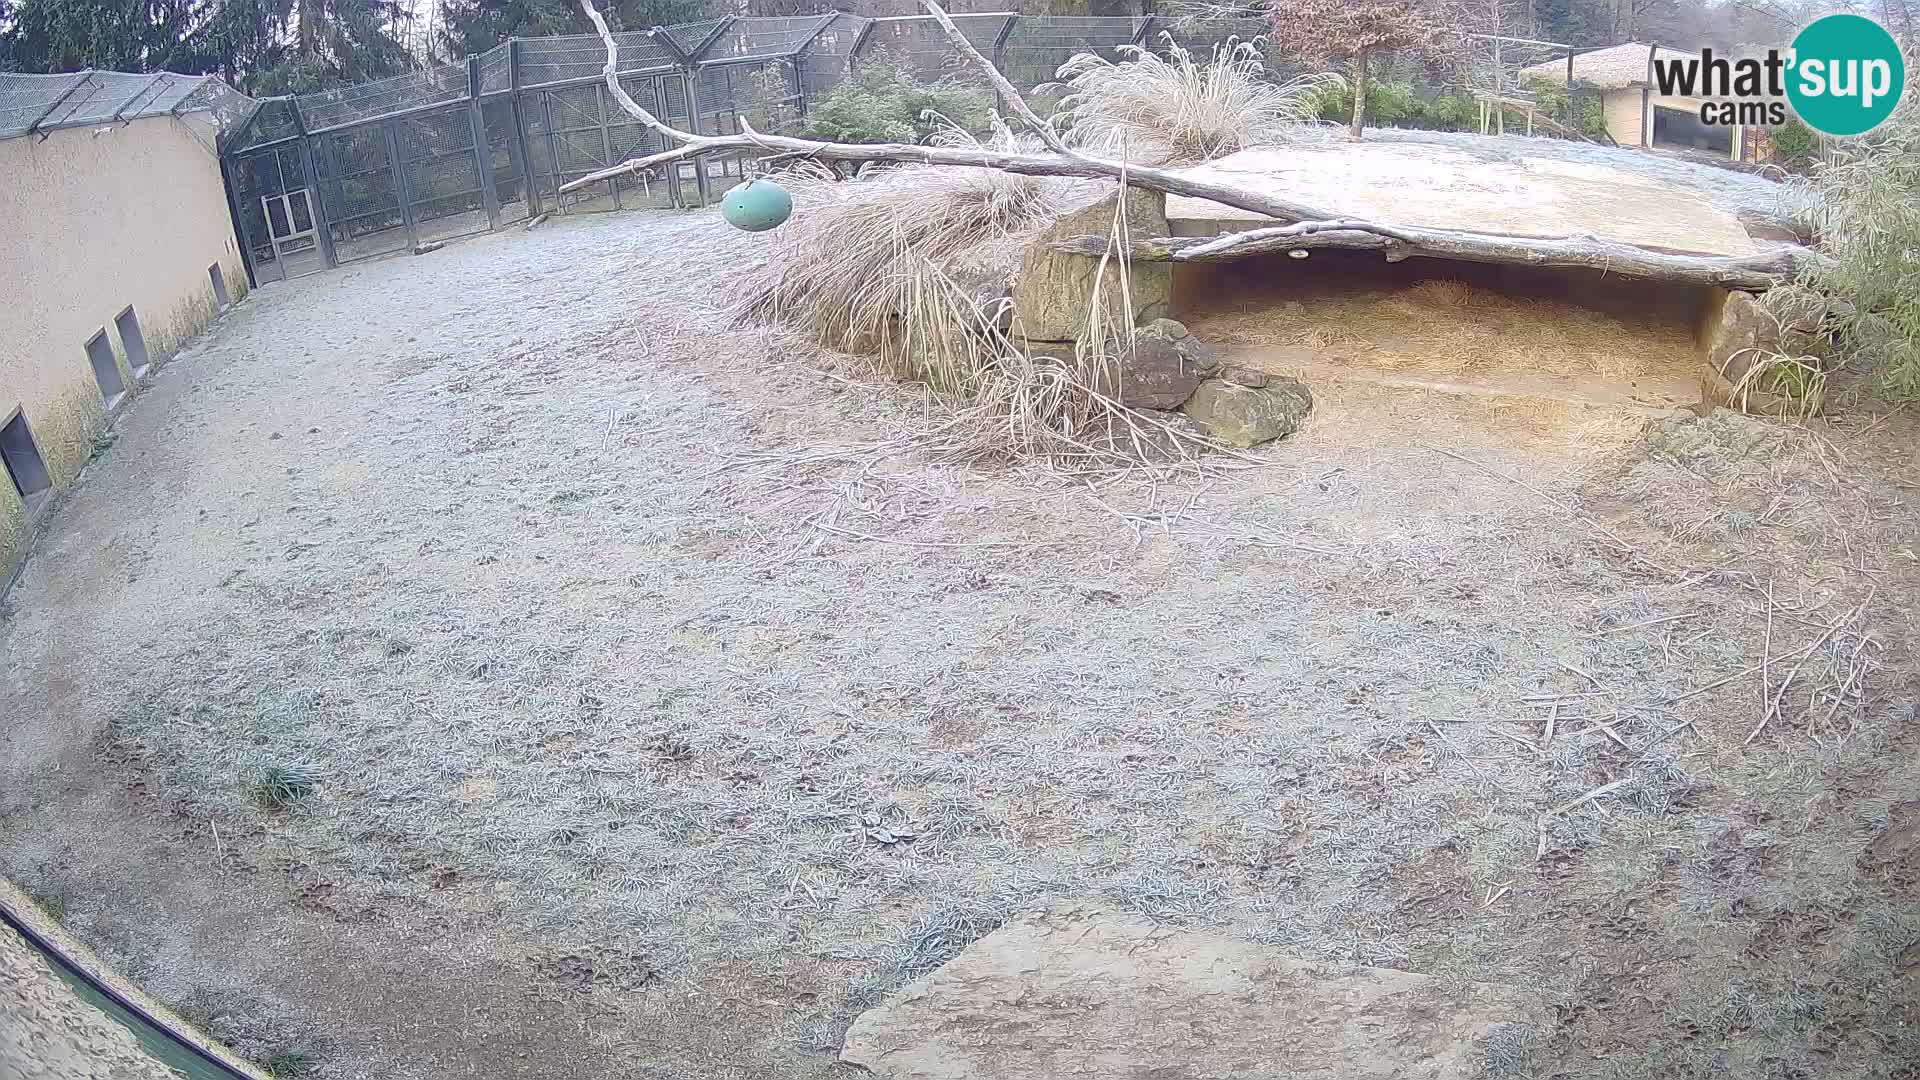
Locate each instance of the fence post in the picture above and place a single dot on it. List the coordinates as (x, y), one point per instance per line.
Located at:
(553, 149)
(1145, 36)
(691, 73)
(482, 150)
(317, 206)
(999, 56)
(1570, 126)
(402, 183)
(529, 190)
(606, 140)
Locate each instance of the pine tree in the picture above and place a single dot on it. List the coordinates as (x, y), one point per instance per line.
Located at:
(470, 27)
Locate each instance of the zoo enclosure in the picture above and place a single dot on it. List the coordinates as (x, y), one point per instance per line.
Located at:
(328, 178)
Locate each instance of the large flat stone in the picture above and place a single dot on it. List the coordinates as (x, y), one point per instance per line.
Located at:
(1472, 185)
(1077, 992)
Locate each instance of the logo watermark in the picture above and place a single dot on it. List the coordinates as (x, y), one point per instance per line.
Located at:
(1843, 76)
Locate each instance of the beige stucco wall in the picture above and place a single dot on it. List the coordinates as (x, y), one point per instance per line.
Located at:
(92, 220)
(1621, 109)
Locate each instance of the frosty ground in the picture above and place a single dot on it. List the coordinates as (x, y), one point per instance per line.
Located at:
(668, 701)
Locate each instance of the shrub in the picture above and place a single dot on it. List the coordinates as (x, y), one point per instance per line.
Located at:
(1399, 104)
(1794, 144)
(1865, 208)
(884, 102)
(1178, 108)
(1589, 118)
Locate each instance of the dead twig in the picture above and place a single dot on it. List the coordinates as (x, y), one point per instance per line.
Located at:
(1779, 694)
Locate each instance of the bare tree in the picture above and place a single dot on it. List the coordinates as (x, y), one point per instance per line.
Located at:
(1328, 30)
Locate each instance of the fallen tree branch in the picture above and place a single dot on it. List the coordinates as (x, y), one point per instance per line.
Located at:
(1060, 163)
(1303, 227)
(1757, 272)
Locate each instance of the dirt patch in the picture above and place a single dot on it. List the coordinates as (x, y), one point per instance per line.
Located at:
(1072, 991)
(535, 585)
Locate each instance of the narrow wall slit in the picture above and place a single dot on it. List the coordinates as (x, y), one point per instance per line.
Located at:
(106, 369)
(24, 466)
(132, 340)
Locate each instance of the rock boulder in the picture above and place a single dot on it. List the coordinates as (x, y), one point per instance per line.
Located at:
(1053, 290)
(1246, 416)
(1163, 366)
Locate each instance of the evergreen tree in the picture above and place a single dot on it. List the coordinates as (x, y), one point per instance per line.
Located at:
(470, 27)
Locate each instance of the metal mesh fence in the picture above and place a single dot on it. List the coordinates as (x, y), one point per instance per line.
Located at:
(1039, 45)
(750, 39)
(401, 93)
(828, 59)
(922, 47)
(552, 61)
(496, 70)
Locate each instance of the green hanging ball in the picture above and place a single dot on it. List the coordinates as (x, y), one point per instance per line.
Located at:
(756, 206)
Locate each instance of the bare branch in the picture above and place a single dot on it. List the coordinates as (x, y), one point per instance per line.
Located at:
(1015, 101)
(612, 74)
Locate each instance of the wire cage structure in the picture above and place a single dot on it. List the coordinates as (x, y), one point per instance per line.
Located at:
(37, 104)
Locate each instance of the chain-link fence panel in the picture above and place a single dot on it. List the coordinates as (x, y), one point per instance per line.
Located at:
(387, 97)
(558, 60)
(759, 39)
(48, 102)
(360, 191)
(575, 130)
(921, 46)
(440, 170)
(25, 99)
(496, 69)
(1038, 45)
(768, 94)
(272, 122)
(828, 59)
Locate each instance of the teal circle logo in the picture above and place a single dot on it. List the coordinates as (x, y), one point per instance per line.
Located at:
(1847, 74)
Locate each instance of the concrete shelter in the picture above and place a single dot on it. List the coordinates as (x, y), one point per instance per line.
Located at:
(119, 248)
(1636, 113)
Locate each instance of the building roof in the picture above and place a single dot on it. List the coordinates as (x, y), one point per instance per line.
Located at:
(1613, 68)
(30, 103)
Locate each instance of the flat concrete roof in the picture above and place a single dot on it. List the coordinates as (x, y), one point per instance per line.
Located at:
(1453, 187)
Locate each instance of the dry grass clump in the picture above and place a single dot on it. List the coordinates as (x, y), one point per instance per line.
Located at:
(1179, 108)
(845, 264)
(888, 266)
(1446, 292)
